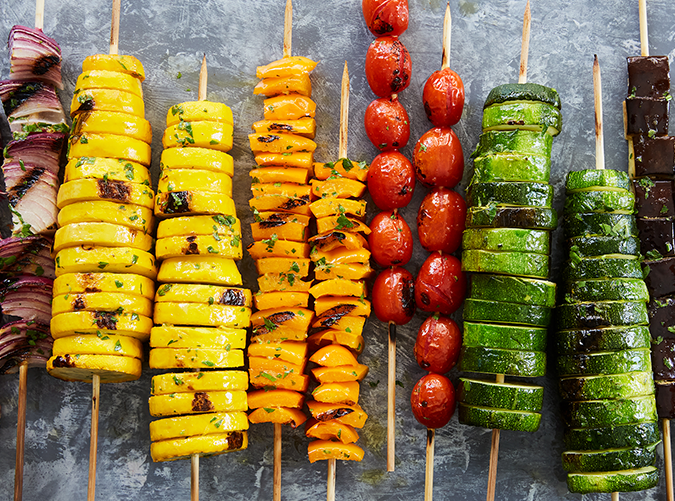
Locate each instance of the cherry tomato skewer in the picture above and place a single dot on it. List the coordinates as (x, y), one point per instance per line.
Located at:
(440, 220)
(387, 123)
(391, 180)
(385, 17)
(388, 66)
(390, 240)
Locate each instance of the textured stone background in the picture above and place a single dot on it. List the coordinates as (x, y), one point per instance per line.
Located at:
(169, 37)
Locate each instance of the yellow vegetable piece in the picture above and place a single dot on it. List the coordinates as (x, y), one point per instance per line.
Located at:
(278, 248)
(289, 107)
(197, 424)
(339, 287)
(110, 259)
(286, 66)
(199, 381)
(340, 374)
(199, 225)
(299, 267)
(202, 314)
(289, 190)
(279, 143)
(352, 415)
(284, 225)
(325, 449)
(229, 247)
(98, 345)
(99, 211)
(201, 134)
(195, 179)
(101, 322)
(269, 300)
(198, 293)
(197, 402)
(127, 283)
(280, 203)
(111, 122)
(340, 256)
(288, 351)
(106, 79)
(271, 282)
(193, 203)
(333, 355)
(110, 368)
(104, 234)
(330, 430)
(337, 188)
(121, 192)
(299, 159)
(344, 168)
(337, 393)
(275, 398)
(102, 301)
(196, 111)
(115, 169)
(280, 415)
(284, 85)
(195, 358)
(201, 445)
(200, 269)
(331, 304)
(109, 146)
(338, 206)
(302, 126)
(107, 100)
(198, 337)
(114, 62)
(197, 158)
(341, 223)
(353, 271)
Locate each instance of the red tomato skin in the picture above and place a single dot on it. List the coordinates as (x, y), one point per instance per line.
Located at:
(433, 401)
(385, 17)
(391, 180)
(388, 66)
(393, 296)
(440, 285)
(390, 240)
(438, 344)
(387, 124)
(440, 220)
(443, 97)
(438, 158)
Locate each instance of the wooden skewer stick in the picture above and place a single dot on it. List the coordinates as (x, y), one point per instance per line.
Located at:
(447, 25)
(525, 46)
(203, 80)
(429, 471)
(93, 440)
(277, 463)
(599, 135)
(39, 14)
(288, 28)
(194, 477)
(615, 496)
(20, 431)
(668, 457)
(644, 33)
(342, 153)
(115, 27)
(391, 398)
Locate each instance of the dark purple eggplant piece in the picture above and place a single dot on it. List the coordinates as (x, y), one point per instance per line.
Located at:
(648, 76)
(647, 116)
(665, 399)
(663, 358)
(654, 197)
(656, 236)
(660, 277)
(654, 156)
(661, 312)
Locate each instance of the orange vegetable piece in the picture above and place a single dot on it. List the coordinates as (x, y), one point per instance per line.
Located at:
(340, 256)
(277, 318)
(275, 398)
(280, 380)
(352, 271)
(339, 287)
(277, 248)
(340, 322)
(360, 307)
(290, 190)
(352, 415)
(325, 449)
(275, 365)
(289, 107)
(336, 393)
(280, 224)
(300, 159)
(340, 374)
(289, 351)
(302, 127)
(283, 265)
(280, 203)
(280, 415)
(284, 299)
(279, 336)
(271, 282)
(279, 175)
(342, 223)
(337, 188)
(335, 238)
(286, 66)
(330, 430)
(348, 169)
(273, 86)
(279, 143)
(333, 355)
(338, 206)
(352, 341)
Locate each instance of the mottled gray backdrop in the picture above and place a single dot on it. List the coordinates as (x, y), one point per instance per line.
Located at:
(169, 37)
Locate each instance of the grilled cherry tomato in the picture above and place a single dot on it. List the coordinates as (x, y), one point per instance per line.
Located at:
(387, 124)
(440, 220)
(388, 66)
(433, 401)
(390, 240)
(391, 180)
(438, 344)
(440, 284)
(385, 17)
(393, 296)
(443, 97)
(438, 158)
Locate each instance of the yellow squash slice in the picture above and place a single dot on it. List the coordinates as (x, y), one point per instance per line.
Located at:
(202, 314)
(195, 358)
(197, 158)
(197, 402)
(106, 79)
(102, 301)
(104, 234)
(86, 259)
(109, 146)
(199, 381)
(201, 134)
(127, 283)
(199, 225)
(193, 203)
(100, 211)
(98, 322)
(201, 445)
(110, 368)
(114, 62)
(197, 424)
(229, 247)
(120, 192)
(195, 179)
(200, 269)
(107, 100)
(111, 122)
(199, 293)
(196, 111)
(103, 344)
(114, 169)
(198, 337)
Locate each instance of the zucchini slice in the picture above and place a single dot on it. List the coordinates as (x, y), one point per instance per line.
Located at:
(511, 166)
(507, 337)
(605, 339)
(510, 193)
(596, 178)
(523, 92)
(610, 362)
(525, 264)
(497, 361)
(601, 314)
(627, 385)
(524, 115)
(621, 202)
(493, 216)
(501, 419)
(631, 435)
(515, 397)
(478, 310)
(511, 289)
(609, 459)
(614, 481)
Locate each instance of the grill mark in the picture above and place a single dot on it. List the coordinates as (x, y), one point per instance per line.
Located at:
(114, 190)
(62, 361)
(78, 303)
(45, 63)
(192, 247)
(294, 203)
(270, 138)
(106, 320)
(233, 297)
(201, 402)
(177, 202)
(22, 94)
(27, 181)
(333, 414)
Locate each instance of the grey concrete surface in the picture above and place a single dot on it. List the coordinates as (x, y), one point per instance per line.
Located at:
(169, 37)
